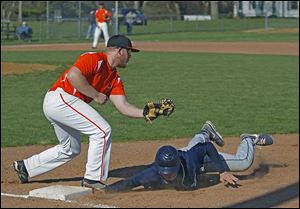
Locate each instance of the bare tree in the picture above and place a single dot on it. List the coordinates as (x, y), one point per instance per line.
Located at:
(127, 4)
(173, 7)
(144, 4)
(177, 10)
(214, 9)
(204, 7)
(226, 8)
(136, 4)
(7, 9)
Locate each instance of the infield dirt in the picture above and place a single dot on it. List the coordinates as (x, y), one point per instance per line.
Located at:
(274, 167)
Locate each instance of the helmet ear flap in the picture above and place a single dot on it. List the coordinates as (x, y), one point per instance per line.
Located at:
(167, 160)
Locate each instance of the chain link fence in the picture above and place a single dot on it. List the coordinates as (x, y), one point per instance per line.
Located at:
(76, 28)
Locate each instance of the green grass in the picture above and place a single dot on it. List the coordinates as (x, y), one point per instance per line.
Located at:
(239, 93)
(187, 36)
(220, 36)
(163, 29)
(218, 25)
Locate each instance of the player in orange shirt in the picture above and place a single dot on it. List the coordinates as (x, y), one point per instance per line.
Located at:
(102, 17)
(93, 77)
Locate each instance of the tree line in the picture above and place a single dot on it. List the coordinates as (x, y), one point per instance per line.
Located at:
(70, 9)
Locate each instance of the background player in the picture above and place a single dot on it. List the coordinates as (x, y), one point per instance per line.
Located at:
(179, 168)
(92, 25)
(102, 17)
(93, 77)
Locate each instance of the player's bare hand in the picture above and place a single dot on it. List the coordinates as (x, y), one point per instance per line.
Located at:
(228, 178)
(100, 98)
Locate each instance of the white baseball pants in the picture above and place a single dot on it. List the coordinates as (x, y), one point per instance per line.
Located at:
(71, 116)
(100, 27)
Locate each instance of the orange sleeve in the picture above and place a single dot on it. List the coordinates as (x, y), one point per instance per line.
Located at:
(107, 13)
(118, 87)
(87, 64)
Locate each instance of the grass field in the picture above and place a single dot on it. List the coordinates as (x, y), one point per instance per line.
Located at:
(186, 36)
(223, 29)
(239, 93)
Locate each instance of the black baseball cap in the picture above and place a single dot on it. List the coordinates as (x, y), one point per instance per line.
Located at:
(121, 41)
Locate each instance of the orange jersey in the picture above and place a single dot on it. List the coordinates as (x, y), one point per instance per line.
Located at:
(100, 13)
(96, 69)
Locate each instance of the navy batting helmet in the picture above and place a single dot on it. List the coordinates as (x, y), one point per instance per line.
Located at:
(167, 160)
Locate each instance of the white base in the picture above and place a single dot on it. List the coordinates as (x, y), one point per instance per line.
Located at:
(59, 192)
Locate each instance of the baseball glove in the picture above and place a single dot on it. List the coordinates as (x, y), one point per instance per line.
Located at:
(154, 109)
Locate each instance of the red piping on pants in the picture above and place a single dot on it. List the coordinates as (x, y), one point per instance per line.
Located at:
(101, 167)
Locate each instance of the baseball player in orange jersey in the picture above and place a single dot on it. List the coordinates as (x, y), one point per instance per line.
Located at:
(93, 77)
(102, 17)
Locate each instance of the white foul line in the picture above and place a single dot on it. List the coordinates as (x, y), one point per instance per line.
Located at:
(14, 195)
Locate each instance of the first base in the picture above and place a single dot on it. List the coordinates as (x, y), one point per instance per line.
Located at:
(59, 192)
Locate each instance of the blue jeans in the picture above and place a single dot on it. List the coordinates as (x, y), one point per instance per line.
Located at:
(90, 32)
(129, 28)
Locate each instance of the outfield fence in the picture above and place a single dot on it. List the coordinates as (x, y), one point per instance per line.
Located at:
(76, 28)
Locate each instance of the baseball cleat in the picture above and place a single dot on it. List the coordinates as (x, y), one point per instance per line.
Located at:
(213, 134)
(92, 184)
(259, 139)
(21, 170)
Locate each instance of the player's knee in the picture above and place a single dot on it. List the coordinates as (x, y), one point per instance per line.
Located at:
(108, 130)
(70, 152)
(103, 132)
(244, 164)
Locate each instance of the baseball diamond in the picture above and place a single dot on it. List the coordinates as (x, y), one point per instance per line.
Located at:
(275, 168)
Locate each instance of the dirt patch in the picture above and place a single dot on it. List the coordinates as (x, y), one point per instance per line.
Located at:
(182, 46)
(274, 168)
(212, 47)
(223, 47)
(275, 48)
(273, 30)
(10, 68)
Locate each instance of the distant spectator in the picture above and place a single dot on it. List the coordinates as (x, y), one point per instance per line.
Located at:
(24, 32)
(130, 18)
(92, 25)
